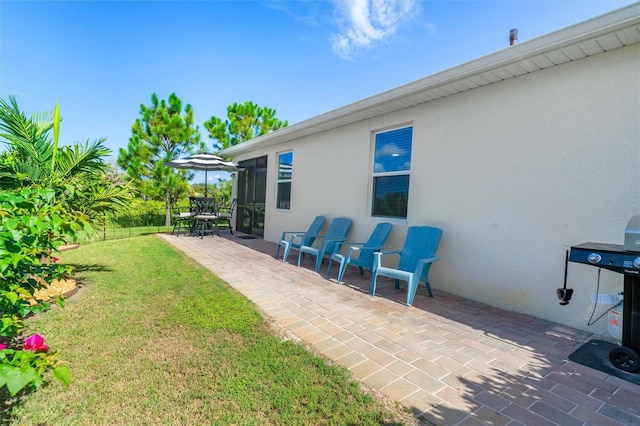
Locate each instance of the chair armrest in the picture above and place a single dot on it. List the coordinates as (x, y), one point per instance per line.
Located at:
(294, 236)
(345, 243)
(422, 263)
(377, 257)
(429, 260)
(380, 253)
(334, 240)
(314, 238)
(336, 248)
(284, 234)
(351, 243)
(354, 248)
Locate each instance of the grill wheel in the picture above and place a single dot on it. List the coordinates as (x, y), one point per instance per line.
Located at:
(625, 359)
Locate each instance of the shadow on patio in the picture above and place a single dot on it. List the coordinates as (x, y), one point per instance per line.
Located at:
(451, 360)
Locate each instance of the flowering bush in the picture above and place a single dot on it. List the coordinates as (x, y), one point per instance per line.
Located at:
(35, 343)
(19, 368)
(32, 227)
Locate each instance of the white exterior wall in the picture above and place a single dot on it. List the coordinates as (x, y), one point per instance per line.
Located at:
(514, 173)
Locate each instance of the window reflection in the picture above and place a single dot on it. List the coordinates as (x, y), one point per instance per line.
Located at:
(285, 169)
(285, 165)
(393, 151)
(392, 163)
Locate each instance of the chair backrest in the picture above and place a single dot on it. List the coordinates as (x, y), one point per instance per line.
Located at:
(374, 243)
(313, 231)
(421, 242)
(338, 230)
(227, 212)
(233, 206)
(205, 205)
(175, 209)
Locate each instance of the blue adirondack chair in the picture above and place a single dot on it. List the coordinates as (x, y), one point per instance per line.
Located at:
(297, 239)
(337, 233)
(416, 257)
(364, 258)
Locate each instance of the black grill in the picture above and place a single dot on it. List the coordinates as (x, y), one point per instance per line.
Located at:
(615, 258)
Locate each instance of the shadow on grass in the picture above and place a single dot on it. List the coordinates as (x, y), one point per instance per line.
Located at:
(90, 267)
(9, 403)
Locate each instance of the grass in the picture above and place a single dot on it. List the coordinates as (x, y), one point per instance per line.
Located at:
(114, 232)
(153, 338)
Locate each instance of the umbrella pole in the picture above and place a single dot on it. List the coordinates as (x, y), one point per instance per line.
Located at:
(205, 184)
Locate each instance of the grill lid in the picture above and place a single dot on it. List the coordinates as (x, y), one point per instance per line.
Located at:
(632, 235)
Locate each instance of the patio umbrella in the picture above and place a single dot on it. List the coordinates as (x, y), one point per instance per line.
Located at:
(203, 161)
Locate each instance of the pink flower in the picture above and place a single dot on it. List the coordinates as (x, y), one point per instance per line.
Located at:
(35, 343)
(55, 259)
(2, 346)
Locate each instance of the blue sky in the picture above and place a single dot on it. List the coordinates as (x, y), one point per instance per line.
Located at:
(102, 59)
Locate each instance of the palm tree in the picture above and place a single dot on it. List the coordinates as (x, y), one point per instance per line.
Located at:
(78, 173)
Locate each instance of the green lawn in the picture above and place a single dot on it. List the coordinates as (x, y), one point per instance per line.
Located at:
(153, 338)
(113, 232)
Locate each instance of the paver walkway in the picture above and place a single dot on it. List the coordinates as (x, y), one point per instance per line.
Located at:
(451, 360)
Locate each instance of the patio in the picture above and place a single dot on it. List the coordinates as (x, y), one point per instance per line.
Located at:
(451, 360)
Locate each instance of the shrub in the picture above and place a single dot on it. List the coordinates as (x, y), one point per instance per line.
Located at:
(140, 213)
(32, 228)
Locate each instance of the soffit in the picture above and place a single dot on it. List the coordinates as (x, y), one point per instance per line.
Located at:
(602, 34)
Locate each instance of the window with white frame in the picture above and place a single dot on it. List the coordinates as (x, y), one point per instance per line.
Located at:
(285, 167)
(391, 169)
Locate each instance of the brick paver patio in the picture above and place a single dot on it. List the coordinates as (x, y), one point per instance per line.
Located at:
(451, 360)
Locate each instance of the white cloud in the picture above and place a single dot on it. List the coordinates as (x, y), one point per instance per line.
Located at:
(365, 22)
(431, 28)
(20, 94)
(391, 150)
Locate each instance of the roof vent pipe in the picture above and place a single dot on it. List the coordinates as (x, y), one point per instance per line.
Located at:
(513, 36)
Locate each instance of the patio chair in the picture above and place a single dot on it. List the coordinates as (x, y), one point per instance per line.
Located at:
(299, 238)
(364, 258)
(416, 257)
(226, 213)
(337, 233)
(206, 219)
(181, 218)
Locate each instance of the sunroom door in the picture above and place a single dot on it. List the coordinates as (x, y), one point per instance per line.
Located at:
(252, 189)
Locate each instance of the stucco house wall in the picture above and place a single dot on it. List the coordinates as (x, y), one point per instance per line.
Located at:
(514, 172)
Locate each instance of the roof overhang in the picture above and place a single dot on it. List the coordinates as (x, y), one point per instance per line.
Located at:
(604, 33)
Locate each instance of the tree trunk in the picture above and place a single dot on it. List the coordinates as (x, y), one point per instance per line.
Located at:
(167, 210)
